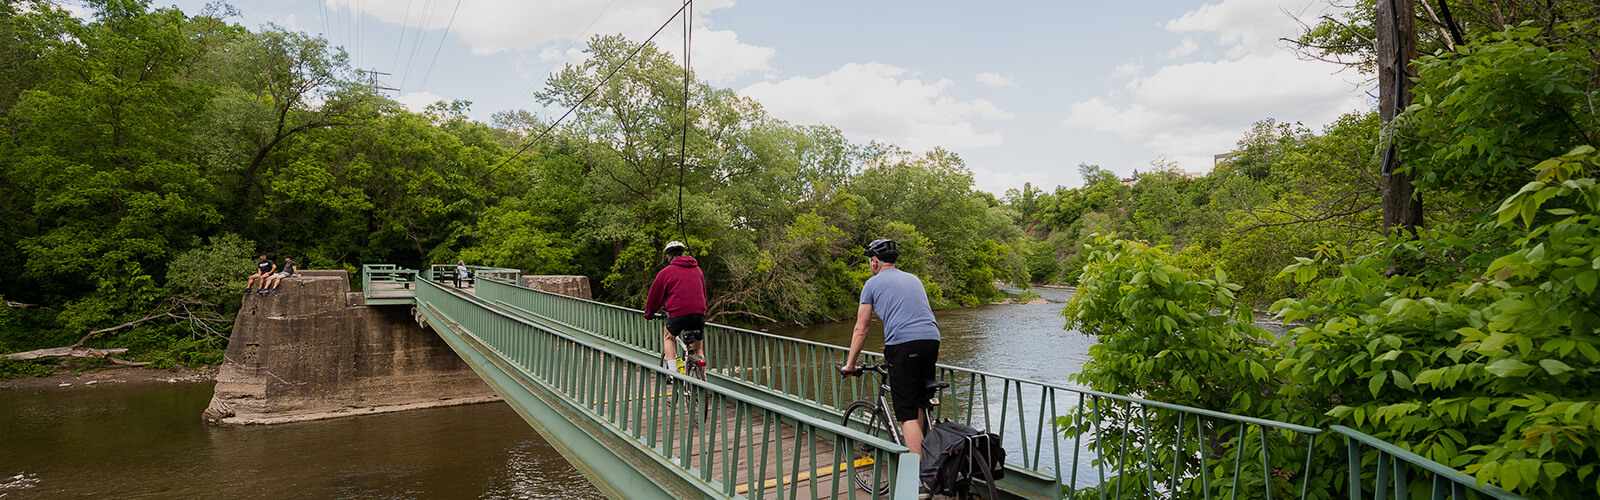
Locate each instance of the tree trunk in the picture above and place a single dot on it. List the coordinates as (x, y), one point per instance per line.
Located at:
(1397, 46)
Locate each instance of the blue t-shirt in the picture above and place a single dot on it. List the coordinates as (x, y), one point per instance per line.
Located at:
(902, 304)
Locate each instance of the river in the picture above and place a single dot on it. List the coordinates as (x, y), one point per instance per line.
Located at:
(147, 440)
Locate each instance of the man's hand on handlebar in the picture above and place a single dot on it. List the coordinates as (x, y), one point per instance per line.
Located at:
(855, 372)
(655, 316)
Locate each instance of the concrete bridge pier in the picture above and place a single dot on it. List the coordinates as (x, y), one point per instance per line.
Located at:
(314, 350)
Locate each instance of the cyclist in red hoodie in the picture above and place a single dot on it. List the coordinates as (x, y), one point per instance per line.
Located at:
(681, 289)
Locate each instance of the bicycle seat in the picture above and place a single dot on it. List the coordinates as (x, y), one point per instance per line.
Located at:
(691, 336)
(938, 384)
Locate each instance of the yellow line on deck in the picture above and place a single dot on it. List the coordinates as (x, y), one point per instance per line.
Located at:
(773, 483)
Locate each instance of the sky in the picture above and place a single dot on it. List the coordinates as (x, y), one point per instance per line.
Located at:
(1023, 91)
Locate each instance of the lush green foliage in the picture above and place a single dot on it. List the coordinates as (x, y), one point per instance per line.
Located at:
(1493, 373)
(1487, 111)
(150, 154)
(1166, 334)
(1471, 342)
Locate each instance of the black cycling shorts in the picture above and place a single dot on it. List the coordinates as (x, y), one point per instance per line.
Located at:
(911, 367)
(677, 324)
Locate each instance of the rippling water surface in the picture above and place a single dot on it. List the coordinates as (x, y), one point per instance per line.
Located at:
(147, 441)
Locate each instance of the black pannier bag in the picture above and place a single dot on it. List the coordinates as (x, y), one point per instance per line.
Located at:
(954, 454)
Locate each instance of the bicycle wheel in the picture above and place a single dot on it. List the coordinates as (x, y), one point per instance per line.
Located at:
(699, 401)
(871, 474)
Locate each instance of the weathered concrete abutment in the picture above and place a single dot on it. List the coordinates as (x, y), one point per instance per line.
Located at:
(569, 285)
(313, 350)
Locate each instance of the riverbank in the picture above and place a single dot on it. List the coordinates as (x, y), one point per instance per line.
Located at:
(66, 379)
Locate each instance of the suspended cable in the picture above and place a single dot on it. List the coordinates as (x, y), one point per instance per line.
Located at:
(683, 144)
(591, 93)
(436, 51)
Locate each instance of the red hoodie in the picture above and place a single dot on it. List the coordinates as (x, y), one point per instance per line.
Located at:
(680, 287)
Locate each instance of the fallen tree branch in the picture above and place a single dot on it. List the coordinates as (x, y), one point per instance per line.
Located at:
(720, 314)
(75, 352)
(91, 335)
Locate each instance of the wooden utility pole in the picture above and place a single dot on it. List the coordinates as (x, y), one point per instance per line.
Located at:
(1397, 46)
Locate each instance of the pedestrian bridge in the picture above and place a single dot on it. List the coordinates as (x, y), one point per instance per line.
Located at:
(586, 375)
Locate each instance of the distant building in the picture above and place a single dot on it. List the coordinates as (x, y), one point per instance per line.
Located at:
(1185, 173)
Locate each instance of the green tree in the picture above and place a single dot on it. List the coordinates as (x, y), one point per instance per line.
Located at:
(280, 84)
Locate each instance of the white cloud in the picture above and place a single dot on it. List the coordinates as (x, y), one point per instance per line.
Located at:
(1184, 48)
(875, 101)
(494, 26)
(995, 80)
(1125, 70)
(720, 57)
(1249, 26)
(550, 59)
(418, 101)
(997, 182)
(1194, 110)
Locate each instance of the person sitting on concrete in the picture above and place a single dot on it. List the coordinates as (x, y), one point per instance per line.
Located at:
(264, 268)
(289, 270)
(462, 274)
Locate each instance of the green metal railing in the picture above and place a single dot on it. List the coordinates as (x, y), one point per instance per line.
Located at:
(741, 446)
(1025, 413)
(1394, 471)
(387, 284)
(1062, 441)
(500, 274)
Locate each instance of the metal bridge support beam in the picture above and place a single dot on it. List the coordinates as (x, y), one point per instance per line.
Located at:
(615, 468)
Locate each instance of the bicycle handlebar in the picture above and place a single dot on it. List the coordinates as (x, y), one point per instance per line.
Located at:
(882, 369)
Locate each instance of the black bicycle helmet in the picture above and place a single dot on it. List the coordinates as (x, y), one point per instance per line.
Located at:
(884, 250)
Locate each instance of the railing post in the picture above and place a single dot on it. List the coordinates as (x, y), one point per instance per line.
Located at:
(907, 476)
(1354, 464)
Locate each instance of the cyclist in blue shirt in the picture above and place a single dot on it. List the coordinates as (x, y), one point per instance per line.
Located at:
(910, 336)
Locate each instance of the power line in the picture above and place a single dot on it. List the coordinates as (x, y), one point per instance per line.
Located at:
(323, 7)
(592, 91)
(360, 26)
(441, 45)
(405, 24)
(416, 41)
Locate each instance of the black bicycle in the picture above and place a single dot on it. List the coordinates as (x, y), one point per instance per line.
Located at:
(874, 416)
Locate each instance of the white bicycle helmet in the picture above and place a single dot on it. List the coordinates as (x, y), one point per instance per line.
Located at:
(674, 243)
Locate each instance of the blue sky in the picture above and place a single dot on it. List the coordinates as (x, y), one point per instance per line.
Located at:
(1023, 91)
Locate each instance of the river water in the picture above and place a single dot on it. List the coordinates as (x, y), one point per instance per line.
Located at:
(147, 441)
